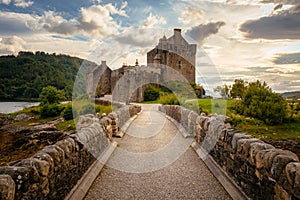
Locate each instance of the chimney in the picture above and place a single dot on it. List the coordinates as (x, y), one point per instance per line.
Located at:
(177, 32)
(103, 62)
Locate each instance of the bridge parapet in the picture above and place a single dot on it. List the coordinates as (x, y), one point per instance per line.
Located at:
(52, 172)
(261, 170)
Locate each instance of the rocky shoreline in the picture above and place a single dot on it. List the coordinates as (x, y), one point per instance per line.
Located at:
(20, 141)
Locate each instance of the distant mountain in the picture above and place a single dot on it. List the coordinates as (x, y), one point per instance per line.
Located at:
(24, 76)
(291, 95)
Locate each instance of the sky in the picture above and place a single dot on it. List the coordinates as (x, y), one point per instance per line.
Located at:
(247, 39)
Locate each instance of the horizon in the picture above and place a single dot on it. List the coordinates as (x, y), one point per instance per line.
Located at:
(236, 39)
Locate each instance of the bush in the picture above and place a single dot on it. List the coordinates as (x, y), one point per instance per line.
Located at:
(68, 113)
(169, 99)
(261, 103)
(49, 110)
(50, 95)
(151, 93)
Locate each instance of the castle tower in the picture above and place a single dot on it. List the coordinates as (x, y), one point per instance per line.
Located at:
(175, 52)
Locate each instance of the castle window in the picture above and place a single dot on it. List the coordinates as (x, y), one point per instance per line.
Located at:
(179, 64)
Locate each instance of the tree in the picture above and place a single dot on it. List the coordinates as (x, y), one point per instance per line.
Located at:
(238, 89)
(223, 91)
(50, 95)
(261, 103)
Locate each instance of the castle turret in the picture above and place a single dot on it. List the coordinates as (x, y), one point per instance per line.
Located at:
(175, 52)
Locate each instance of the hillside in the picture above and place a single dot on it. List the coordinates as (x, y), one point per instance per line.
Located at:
(291, 95)
(24, 76)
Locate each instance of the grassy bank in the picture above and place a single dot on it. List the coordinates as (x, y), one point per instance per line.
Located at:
(289, 130)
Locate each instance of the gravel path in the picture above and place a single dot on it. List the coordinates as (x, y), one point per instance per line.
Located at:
(177, 175)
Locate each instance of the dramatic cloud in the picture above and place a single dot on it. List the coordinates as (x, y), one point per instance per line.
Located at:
(11, 45)
(285, 25)
(23, 3)
(190, 14)
(95, 21)
(202, 31)
(293, 58)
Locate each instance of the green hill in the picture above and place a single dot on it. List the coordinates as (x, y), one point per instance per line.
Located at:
(22, 77)
(291, 95)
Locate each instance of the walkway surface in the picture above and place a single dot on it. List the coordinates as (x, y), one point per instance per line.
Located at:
(142, 167)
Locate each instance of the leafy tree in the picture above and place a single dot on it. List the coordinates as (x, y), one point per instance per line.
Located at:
(238, 89)
(261, 103)
(50, 95)
(223, 91)
(28, 73)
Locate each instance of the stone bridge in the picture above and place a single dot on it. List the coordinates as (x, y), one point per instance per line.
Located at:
(154, 152)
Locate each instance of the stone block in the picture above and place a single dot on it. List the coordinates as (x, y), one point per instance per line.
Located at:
(67, 145)
(236, 137)
(41, 155)
(292, 171)
(243, 146)
(280, 161)
(255, 147)
(22, 177)
(7, 187)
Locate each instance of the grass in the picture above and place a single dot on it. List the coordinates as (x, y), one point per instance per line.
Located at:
(289, 130)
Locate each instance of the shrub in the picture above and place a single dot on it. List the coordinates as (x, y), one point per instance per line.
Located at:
(49, 110)
(68, 113)
(151, 93)
(169, 99)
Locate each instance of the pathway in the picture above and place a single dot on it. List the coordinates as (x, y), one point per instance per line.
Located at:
(153, 161)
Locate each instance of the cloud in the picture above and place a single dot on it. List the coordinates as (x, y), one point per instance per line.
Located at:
(14, 23)
(285, 25)
(23, 3)
(5, 2)
(95, 21)
(291, 58)
(190, 14)
(139, 37)
(153, 20)
(202, 31)
(11, 45)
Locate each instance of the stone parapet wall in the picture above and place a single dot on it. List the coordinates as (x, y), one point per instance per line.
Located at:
(52, 172)
(261, 170)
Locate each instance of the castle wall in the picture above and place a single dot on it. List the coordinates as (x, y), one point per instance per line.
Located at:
(99, 78)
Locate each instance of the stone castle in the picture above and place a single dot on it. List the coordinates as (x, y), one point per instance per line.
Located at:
(170, 53)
